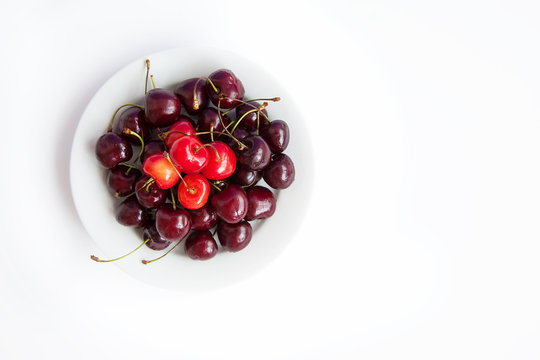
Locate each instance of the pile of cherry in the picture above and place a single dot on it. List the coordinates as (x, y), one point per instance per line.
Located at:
(196, 172)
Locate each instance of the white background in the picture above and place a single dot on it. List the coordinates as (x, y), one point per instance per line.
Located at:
(422, 241)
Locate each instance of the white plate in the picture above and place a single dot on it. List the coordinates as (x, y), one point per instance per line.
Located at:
(96, 206)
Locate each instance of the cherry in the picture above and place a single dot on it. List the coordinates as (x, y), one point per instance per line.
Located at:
(189, 154)
(179, 129)
(234, 237)
(194, 191)
(152, 147)
(192, 94)
(172, 224)
(231, 204)
(156, 241)
(209, 120)
(204, 218)
(257, 155)
(148, 193)
(111, 150)
(161, 107)
(261, 203)
(217, 186)
(221, 166)
(132, 119)
(239, 134)
(249, 120)
(121, 179)
(200, 245)
(158, 167)
(130, 213)
(227, 85)
(276, 135)
(280, 173)
(244, 176)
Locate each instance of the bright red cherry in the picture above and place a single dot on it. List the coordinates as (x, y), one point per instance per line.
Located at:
(193, 192)
(183, 126)
(189, 154)
(221, 166)
(161, 107)
(161, 170)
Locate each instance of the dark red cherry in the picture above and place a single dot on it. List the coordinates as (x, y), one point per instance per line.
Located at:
(218, 185)
(130, 213)
(132, 119)
(222, 166)
(181, 128)
(280, 173)
(239, 134)
(261, 203)
(244, 176)
(152, 147)
(151, 198)
(231, 204)
(161, 107)
(111, 149)
(234, 237)
(189, 154)
(276, 135)
(204, 218)
(156, 242)
(209, 118)
(121, 180)
(172, 225)
(200, 245)
(192, 94)
(249, 121)
(257, 155)
(226, 84)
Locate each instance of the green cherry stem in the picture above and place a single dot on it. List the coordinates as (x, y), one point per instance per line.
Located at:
(95, 258)
(109, 128)
(172, 197)
(162, 256)
(214, 185)
(257, 109)
(153, 83)
(240, 145)
(212, 146)
(130, 132)
(147, 71)
(247, 102)
(166, 155)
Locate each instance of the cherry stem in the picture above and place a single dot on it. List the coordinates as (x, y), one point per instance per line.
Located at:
(171, 249)
(153, 83)
(131, 132)
(258, 120)
(109, 129)
(145, 185)
(214, 185)
(166, 155)
(212, 132)
(173, 201)
(147, 71)
(213, 86)
(163, 135)
(257, 109)
(240, 145)
(195, 99)
(212, 146)
(247, 102)
(95, 258)
(129, 166)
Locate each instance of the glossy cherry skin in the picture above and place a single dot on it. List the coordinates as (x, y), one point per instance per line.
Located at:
(184, 126)
(244, 176)
(157, 242)
(218, 184)
(151, 199)
(111, 149)
(132, 119)
(276, 135)
(234, 237)
(161, 107)
(209, 118)
(187, 90)
(231, 204)
(195, 194)
(257, 155)
(152, 147)
(217, 169)
(200, 245)
(121, 180)
(130, 213)
(239, 134)
(261, 203)
(172, 225)
(189, 155)
(204, 218)
(227, 85)
(161, 170)
(280, 173)
(249, 122)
